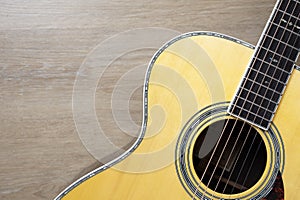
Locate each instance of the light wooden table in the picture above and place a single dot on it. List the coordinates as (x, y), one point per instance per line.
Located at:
(42, 46)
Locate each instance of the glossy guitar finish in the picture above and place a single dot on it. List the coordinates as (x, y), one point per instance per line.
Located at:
(191, 74)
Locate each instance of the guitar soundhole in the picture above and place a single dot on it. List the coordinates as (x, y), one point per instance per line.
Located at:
(229, 160)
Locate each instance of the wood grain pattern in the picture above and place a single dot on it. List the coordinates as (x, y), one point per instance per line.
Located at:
(43, 44)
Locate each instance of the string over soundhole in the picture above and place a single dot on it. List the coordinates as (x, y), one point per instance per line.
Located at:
(238, 162)
(229, 156)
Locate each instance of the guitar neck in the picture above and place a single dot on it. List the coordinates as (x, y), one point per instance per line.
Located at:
(269, 70)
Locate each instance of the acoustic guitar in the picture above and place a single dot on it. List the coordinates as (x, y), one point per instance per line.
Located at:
(221, 121)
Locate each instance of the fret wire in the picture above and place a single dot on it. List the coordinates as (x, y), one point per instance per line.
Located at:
(281, 19)
(283, 84)
(290, 31)
(282, 15)
(248, 111)
(287, 6)
(291, 34)
(268, 49)
(261, 86)
(271, 74)
(288, 14)
(277, 40)
(259, 121)
(264, 48)
(251, 121)
(263, 98)
(286, 63)
(244, 82)
(287, 30)
(256, 94)
(266, 87)
(275, 66)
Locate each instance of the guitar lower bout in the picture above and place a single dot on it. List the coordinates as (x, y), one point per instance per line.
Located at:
(191, 79)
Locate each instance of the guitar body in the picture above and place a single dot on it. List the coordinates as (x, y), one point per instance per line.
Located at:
(188, 86)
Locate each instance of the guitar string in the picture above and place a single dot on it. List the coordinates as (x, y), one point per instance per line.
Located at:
(273, 93)
(271, 58)
(238, 157)
(241, 130)
(281, 57)
(242, 86)
(286, 60)
(223, 149)
(210, 161)
(261, 141)
(277, 83)
(227, 162)
(211, 157)
(280, 60)
(219, 157)
(244, 162)
(252, 162)
(229, 156)
(206, 186)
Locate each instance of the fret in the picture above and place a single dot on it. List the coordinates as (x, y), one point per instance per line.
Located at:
(286, 21)
(268, 93)
(283, 35)
(281, 13)
(273, 83)
(281, 47)
(263, 92)
(251, 96)
(274, 53)
(254, 109)
(289, 7)
(270, 58)
(252, 118)
(263, 63)
(269, 72)
(252, 88)
(265, 80)
(248, 95)
(262, 80)
(270, 105)
(258, 113)
(291, 30)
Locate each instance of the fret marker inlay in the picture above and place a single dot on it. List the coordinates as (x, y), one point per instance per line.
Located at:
(266, 77)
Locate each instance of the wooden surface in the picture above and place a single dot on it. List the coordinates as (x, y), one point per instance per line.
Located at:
(43, 45)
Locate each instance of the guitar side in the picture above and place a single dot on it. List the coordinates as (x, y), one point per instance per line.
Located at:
(188, 74)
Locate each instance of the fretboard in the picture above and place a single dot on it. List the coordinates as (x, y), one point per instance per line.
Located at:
(268, 73)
